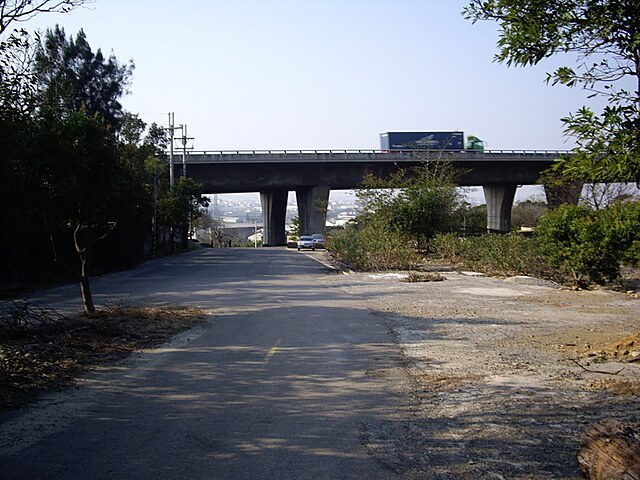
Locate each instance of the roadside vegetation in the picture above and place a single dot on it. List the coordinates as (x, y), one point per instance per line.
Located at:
(418, 219)
(83, 187)
(574, 244)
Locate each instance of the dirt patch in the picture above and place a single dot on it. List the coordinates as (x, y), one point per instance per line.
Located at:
(439, 383)
(626, 349)
(506, 374)
(618, 387)
(43, 351)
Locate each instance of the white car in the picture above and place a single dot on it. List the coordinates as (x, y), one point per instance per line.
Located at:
(306, 241)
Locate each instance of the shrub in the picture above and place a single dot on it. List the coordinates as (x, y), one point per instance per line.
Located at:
(591, 244)
(511, 254)
(623, 218)
(418, 203)
(580, 243)
(373, 248)
(450, 246)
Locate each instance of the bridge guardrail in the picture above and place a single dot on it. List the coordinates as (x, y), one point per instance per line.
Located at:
(208, 156)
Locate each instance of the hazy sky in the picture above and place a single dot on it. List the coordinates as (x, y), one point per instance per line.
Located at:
(307, 74)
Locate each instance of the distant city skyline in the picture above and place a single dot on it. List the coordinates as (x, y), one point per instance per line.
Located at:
(474, 195)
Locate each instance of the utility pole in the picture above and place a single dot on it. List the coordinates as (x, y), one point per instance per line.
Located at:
(184, 140)
(172, 129)
(255, 232)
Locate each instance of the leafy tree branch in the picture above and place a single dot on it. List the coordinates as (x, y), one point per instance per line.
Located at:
(605, 37)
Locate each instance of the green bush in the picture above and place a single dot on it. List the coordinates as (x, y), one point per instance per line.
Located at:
(570, 243)
(372, 248)
(624, 219)
(590, 244)
(511, 254)
(450, 247)
(418, 203)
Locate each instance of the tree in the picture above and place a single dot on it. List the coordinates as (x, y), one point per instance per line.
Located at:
(144, 180)
(400, 214)
(72, 78)
(605, 37)
(78, 172)
(295, 227)
(602, 195)
(419, 203)
(181, 206)
(17, 82)
(16, 197)
(17, 129)
(78, 118)
(211, 230)
(132, 129)
(471, 220)
(528, 213)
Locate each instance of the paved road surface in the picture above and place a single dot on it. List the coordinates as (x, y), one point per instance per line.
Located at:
(276, 386)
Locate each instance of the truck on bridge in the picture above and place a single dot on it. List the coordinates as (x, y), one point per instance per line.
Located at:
(446, 141)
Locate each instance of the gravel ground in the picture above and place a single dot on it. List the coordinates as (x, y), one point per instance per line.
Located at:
(504, 374)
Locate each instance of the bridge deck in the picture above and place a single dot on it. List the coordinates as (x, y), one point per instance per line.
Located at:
(268, 170)
(276, 156)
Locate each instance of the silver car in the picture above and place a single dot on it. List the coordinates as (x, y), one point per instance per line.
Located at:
(306, 241)
(319, 240)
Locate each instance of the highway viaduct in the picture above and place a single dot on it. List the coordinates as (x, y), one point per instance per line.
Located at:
(312, 174)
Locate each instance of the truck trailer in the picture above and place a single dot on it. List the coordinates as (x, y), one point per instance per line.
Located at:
(422, 141)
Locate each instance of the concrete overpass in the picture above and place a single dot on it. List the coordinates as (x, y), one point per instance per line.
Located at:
(313, 173)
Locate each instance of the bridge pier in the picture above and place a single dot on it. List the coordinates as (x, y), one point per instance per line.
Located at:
(274, 212)
(499, 200)
(312, 208)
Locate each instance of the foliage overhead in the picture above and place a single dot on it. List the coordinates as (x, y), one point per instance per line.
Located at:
(17, 81)
(604, 35)
(12, 11)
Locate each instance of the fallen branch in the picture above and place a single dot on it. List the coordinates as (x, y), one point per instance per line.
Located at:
(18, 317)
(596, 371)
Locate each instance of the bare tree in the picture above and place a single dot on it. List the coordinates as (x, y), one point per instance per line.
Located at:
(22, 10)
(211, 230)
(601, 195)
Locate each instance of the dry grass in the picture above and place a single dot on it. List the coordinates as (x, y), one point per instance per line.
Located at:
(38, 355)
(424, 277)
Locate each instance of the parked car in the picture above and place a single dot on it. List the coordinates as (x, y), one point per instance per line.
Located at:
(319, 240)
(306, 241)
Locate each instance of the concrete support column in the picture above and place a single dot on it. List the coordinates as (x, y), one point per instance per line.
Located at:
(499, 200)
(274, 212)
(312, 209)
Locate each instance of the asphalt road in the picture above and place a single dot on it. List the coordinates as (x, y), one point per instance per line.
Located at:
(277, 385)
